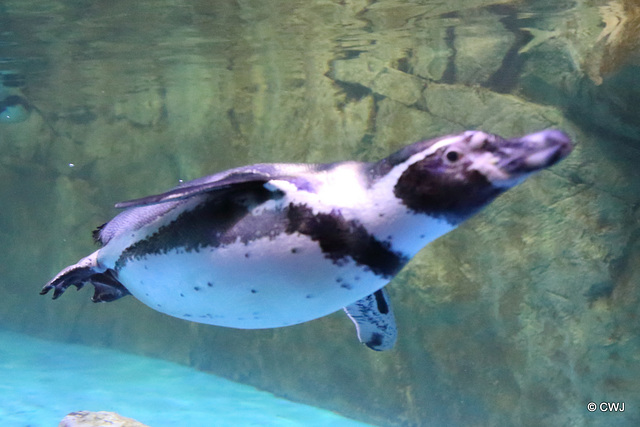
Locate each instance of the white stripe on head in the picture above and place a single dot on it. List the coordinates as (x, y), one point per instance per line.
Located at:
(396, 172)
(477, 138)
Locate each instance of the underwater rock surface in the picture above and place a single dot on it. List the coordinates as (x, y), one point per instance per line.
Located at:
(98, 419)
(522, 316)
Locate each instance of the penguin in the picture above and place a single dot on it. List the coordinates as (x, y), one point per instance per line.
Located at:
(273, 245)
(14, 108)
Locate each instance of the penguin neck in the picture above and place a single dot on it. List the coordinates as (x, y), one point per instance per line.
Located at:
(407, 231)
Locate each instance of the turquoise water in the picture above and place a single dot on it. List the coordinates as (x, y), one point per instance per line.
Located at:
(42, 381)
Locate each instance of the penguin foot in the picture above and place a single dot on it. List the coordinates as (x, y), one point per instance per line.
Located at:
(107, 287)
(72, 275)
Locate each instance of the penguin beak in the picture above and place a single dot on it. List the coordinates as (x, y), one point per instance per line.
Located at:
(545, 149)
(534, 152)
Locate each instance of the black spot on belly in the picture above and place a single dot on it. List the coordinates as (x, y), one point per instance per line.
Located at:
(341, 239)
(253, 291)
(346, 286)
(196, 288)
(209, 284)
(182, 295)
(309, 296)
(186, 315)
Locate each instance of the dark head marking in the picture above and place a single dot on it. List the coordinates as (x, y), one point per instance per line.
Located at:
(440, 191)
(458, 175)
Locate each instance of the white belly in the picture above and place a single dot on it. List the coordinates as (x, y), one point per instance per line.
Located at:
(267, 283)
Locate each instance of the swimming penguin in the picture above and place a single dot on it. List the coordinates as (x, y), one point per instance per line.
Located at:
(14, 108)
(272, 245)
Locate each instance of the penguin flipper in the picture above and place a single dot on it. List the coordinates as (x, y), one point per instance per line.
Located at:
(240, 179)
(374, 320)
(197, 187)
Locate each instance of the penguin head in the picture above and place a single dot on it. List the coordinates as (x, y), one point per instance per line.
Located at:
(455, 176)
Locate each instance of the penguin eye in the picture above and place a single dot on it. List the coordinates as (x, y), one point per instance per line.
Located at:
(453, 156)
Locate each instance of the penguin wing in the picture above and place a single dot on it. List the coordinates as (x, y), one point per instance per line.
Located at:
(374, 320)
(236, 179)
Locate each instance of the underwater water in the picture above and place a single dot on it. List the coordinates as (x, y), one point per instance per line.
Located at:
(524, 315)
(43, 381)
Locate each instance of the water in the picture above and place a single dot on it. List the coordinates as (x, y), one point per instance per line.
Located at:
(43, 381)
(522, 316)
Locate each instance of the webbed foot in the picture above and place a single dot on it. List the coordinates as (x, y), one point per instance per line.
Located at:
(74, 275)
(107, 286)
(374, 320)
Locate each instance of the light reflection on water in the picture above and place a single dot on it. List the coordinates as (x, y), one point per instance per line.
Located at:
(74, 42)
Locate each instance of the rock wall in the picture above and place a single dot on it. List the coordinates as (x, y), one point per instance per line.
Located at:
(520, 317)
